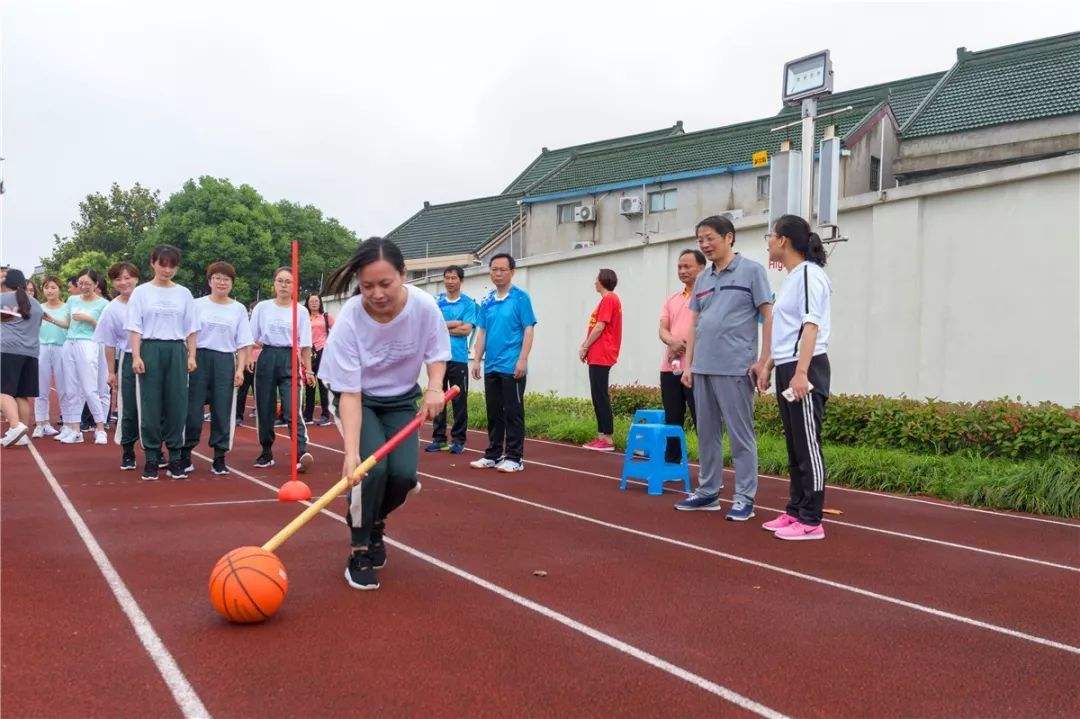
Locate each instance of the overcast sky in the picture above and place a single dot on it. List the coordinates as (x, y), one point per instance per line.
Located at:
(366, 110)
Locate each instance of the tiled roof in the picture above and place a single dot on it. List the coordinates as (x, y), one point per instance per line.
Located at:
(454, 228)
(1015, 83)
(720, 146)
(549, 160)
(902, 95)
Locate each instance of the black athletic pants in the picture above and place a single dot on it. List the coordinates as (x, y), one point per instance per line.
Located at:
(505, 400)
(676, 399)
(802, 430)
(601, 399)
(309, 396)
(457, 373)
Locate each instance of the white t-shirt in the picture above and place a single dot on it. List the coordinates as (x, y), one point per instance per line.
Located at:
(272, 325)
(384, 360)
(162, 313)
(804, 297)
(222, 327)
(110, 330)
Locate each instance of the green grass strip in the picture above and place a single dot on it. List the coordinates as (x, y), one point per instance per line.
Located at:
(1050, 486)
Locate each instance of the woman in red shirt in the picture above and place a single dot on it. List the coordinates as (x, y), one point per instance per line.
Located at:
(600, 351)
(320, 328)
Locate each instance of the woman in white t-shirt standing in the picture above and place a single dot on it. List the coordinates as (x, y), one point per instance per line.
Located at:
(800, 342)
(271, 328)
(381, 339)
(162, 323)
(222, 349)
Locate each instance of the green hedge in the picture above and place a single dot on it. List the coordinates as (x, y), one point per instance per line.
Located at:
(1049, 486)
(999, 428)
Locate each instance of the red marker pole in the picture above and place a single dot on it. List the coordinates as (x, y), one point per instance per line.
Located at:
(294, 489)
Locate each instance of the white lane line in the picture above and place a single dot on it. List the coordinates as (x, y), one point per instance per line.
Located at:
(595, 634)
(838, 522)
(182, 691)
(215, 504)
(883, 495)
(763, 565)
(771, 567)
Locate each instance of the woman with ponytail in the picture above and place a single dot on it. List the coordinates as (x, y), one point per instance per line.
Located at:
(18, 356)
(800, 342)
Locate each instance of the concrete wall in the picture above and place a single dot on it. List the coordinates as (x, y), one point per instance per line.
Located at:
(963, 289)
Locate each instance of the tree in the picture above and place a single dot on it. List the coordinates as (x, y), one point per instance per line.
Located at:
(91, 259)
(211, 219)
(112, 225)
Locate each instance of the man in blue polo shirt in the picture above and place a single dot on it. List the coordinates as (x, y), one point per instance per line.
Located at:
(503, 341)
(724, 363)
(459, 311)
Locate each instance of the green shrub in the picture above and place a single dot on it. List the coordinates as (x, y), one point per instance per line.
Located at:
(998, 428)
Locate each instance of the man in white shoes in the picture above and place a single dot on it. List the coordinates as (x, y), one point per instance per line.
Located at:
(504, 339)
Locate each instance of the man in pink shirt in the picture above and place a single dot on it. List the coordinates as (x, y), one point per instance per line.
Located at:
(676, 324)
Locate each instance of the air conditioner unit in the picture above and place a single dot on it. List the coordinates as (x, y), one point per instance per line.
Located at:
(582, 245)
(733, 215)
(630, 205)
(585, 213)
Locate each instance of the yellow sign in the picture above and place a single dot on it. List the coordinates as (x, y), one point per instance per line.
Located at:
(760, 158)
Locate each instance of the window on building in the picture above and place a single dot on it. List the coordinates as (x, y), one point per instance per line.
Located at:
(566, 212)
(663, 201)
(763, 187)
(875, 173)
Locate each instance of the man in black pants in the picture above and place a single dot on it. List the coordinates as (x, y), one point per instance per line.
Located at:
(459, 311)
(503, 341)
(675, 326)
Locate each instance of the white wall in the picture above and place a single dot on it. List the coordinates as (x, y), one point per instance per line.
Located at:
(963, 289)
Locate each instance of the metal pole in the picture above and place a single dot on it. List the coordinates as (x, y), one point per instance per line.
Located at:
(809, 110)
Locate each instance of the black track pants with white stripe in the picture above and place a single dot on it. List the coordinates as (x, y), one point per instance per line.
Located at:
(802, 430)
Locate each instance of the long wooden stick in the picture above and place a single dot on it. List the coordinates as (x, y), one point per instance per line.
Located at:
(330, 495)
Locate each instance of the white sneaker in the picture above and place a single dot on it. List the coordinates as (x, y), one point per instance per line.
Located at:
(64, 432)
(72, 438)
(24, 441)
(14, 434)
(483, 463)
(49, 430)
(39, 432)
(509, 465)
(100, 437)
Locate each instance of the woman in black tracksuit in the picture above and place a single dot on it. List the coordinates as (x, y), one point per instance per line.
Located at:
(800, 342)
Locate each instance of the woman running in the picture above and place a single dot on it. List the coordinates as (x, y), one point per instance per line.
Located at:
(162, 324)
(51, 339)
(271, 327)
(222, 347)
(82, 361)
(800, 342)
(371, 363)
(321, 322)
(112, 334)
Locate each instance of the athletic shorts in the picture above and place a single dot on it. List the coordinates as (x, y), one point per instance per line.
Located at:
(18, 375)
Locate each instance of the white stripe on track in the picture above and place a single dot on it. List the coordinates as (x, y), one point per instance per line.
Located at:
(782, 570)
(182, 691)
(883, 495)
(837, 522)
(595, 634)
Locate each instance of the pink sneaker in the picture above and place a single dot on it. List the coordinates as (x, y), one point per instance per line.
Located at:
(600, 445)
(779, 523)
(796, 531)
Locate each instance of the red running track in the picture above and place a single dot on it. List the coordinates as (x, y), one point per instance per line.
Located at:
(907, 609)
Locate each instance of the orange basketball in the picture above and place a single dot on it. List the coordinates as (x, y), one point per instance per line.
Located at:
(248, 584)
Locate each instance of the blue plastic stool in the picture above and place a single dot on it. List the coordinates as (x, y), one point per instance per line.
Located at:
(649, 416)
(649, 441)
